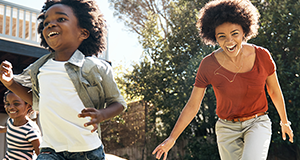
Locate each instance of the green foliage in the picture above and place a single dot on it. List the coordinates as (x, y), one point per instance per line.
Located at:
(201, 148)
(279, 33)
(173, 52)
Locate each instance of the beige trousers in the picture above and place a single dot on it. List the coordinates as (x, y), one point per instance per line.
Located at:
(248, 140)
(3, 118)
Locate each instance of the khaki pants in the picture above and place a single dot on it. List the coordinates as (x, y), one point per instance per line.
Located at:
(248, 140)
(3, 119)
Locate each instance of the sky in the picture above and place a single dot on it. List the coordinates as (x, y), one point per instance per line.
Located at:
(123, 46)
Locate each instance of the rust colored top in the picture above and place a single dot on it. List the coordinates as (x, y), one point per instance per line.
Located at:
(246, 95)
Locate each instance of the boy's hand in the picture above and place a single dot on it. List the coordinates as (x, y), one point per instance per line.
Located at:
(6, 73)
(95, 115)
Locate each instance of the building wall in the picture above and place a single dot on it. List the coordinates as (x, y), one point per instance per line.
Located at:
(3, 118)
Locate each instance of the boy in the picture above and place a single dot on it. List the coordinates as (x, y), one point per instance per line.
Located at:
(69, 88)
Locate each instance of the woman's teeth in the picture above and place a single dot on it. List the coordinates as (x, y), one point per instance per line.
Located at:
(231, 48)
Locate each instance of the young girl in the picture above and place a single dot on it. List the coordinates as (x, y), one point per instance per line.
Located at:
(22, 134)
(70, 86)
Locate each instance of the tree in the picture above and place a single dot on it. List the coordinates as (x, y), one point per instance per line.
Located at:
(173, 51)
(279, 33)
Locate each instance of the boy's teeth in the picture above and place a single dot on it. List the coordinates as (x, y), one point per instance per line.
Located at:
(52, 33)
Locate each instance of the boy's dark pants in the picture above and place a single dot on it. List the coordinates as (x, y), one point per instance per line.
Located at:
(50, 154)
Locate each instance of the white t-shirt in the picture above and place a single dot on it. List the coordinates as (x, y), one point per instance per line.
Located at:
(59, 107)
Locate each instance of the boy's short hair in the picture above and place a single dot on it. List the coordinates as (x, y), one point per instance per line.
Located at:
(89, 17)
(217, 12)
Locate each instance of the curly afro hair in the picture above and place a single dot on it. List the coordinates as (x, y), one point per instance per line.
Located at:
(89, 17)
(217, 12)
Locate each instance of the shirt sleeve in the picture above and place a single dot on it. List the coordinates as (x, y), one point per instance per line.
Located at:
(269, 64)
(24, 78)
(111, 90)
(202, 79)
(33, 134)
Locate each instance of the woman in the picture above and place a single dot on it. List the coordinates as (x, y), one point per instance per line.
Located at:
(238, 72)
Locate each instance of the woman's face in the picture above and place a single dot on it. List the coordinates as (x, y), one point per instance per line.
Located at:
(230, 38)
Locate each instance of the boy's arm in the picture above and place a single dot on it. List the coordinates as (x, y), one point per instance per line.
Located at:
(23, 92)
(110, 111)
(115, 103)
(6, 77)
(100, 115)
(3, 129)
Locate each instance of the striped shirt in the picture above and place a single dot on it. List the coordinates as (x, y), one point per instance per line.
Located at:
(19, 140)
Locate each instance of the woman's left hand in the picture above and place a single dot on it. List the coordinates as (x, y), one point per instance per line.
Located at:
(286, 129)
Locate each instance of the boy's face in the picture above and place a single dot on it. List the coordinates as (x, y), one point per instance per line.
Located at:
(61, 30)
(15, 107)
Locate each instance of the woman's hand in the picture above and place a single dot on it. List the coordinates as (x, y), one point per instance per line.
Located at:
(286, 129)
(164, 148)
(6, 73)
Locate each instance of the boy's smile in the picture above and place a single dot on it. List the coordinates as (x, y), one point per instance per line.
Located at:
(52, 34)
(61, 31)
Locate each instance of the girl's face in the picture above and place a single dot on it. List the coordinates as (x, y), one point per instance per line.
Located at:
(61, 30)
(230, 38)
(15, 107)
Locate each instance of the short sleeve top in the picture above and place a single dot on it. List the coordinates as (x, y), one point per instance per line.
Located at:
(245, 95)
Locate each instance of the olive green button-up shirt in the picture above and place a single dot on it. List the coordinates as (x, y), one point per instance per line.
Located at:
(92, 78)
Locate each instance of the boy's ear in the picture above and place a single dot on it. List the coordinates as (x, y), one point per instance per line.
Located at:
(85, 33)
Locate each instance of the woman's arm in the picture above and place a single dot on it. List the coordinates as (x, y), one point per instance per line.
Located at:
(188, 113)
(276, 95)
(3, 129)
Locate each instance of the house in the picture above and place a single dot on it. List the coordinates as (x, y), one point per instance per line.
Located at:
(19, 44)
